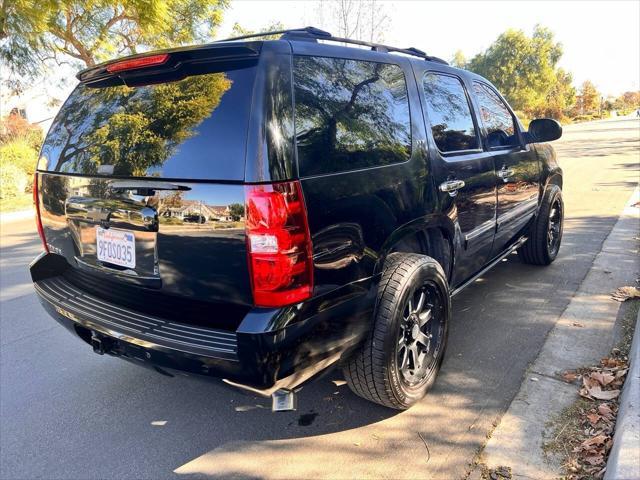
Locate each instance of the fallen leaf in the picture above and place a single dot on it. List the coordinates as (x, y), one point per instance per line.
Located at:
(625, 293)
(569, 376)
(603, 379)
(594, 460)
(578, 324)
(593, 418)
(597, 440)
(604, 410)
(600, 394)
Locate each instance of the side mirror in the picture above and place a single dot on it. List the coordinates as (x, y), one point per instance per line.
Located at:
(543, 130)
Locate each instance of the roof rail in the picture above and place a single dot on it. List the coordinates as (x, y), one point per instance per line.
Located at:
(314, 34)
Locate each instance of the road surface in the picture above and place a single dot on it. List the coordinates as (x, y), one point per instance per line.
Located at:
(68, 413)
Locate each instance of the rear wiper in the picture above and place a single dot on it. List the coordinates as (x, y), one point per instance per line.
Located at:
(145, 187)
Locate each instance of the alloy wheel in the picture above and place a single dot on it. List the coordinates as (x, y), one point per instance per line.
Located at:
(420, 336)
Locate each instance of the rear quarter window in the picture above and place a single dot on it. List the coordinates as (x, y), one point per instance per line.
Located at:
(194, 128)
(349, 114)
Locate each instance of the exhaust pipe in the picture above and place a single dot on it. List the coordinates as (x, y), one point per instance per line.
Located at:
(283, 400)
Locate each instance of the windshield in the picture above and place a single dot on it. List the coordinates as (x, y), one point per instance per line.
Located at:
(194, 128)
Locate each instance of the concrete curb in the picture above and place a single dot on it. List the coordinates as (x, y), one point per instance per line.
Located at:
(624, 459)
(17, 216)
(517, 440)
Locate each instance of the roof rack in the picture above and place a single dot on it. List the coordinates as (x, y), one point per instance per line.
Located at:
(314, 34)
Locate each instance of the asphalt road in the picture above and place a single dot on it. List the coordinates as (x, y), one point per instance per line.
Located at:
(68, 413)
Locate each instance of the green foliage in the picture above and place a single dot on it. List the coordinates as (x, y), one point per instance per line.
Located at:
(459, 60)
(13, 181)
(525, 70)
(239, 31)
(20, 154)
(236, 210)
(39, 33)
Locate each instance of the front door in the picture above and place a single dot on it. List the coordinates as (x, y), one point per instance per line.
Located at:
(464, 173)
(516, 166)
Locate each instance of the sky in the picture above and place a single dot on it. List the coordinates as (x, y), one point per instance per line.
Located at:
(601, 39)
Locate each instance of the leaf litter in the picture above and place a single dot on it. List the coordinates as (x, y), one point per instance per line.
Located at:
(587, 436)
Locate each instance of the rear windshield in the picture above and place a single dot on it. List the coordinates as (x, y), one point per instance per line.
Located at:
(194, 128)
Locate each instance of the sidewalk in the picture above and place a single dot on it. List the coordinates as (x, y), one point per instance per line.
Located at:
(582, 336)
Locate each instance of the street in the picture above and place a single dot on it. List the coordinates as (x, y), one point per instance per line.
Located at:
(69, 413)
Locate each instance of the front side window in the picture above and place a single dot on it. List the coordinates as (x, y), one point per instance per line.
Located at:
(349, 114)
(496, 117)
(449, 113)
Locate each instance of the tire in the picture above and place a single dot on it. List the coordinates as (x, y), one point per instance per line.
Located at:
(545, 235)
(381, 369)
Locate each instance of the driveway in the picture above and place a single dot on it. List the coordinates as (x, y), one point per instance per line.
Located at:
(68, 413)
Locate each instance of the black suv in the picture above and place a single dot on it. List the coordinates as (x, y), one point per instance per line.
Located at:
(352, 192)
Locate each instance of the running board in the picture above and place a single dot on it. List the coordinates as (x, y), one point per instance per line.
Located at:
(491, 264)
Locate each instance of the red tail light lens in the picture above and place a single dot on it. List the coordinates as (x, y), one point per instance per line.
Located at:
(36, 204)
(135, 63)
(279, 244)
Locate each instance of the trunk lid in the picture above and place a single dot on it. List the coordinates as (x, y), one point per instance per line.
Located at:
(141, 182)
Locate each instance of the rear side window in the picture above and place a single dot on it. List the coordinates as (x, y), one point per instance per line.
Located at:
(496, 117)
(349, 114)
(194, 128)
(449, 113)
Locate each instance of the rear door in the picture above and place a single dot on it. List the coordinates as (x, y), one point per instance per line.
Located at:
(516, 165)
(464, 173)
(142, 181)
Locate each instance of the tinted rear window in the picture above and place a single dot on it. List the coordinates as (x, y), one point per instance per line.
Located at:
(349, 114)
(194, 128)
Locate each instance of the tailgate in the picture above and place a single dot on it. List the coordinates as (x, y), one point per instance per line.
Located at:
(141, 182)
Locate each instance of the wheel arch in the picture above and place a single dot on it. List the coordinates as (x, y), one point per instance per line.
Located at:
(432, 235)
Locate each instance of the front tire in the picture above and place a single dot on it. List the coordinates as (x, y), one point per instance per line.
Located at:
(400, 359)
(545, 235)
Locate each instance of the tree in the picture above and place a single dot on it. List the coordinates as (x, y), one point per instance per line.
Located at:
(588, 101)
(37, 35)
(236, 211)
(358, 19)
(523, 68)
(459, 60)
(560, 98)
(239, 31)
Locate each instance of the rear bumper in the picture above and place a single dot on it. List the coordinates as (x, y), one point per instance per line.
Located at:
(271, 348)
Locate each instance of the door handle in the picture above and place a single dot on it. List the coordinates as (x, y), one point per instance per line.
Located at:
(506, 173)
(451, 187)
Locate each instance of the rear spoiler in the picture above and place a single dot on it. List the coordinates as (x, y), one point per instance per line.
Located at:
(173, 59)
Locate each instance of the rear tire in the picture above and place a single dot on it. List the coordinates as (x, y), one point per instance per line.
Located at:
(545, 235)
(400, 359)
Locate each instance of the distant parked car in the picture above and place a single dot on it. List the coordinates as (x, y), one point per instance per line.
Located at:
(195, 218)
(373, 185)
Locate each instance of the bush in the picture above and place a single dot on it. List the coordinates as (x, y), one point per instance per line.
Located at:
(13, 181)
(19, 154)
(14, 127)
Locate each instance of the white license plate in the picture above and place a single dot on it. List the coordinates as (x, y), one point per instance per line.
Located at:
(116, 246)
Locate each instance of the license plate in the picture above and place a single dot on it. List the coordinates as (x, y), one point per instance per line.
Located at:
(116, 246)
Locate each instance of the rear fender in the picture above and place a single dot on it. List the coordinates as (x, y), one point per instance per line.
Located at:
(413, 235)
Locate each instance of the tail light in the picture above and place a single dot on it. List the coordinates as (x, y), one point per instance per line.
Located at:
(136, 63)
(36, 204)
(279, 244)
